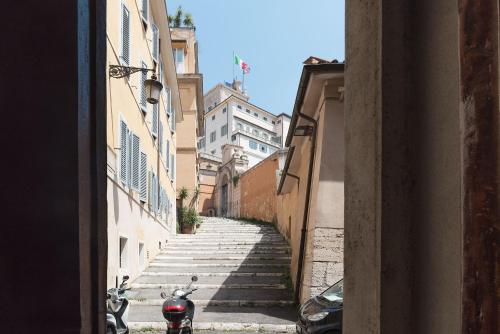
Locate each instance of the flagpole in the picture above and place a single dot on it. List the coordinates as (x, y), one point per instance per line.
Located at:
(243, 83)
(233, 67)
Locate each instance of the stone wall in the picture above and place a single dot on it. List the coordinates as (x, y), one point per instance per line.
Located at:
(328, 259)
(258, 191)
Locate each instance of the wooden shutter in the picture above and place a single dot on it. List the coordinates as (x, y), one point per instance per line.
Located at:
(145, 9)
(168, 153)
(144, 76)
(143, 180)
(125, 29)
(160, 139)
(123, 151)
(135, 162)
(156, 42)
(154, 121)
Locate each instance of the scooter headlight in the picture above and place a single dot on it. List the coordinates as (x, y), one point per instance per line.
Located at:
(317, 316)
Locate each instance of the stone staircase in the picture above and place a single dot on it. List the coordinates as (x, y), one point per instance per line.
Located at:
(243, 284)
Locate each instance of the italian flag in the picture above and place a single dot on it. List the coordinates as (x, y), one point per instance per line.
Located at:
(241, 63)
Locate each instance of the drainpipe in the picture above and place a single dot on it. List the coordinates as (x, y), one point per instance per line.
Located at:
(305, 220)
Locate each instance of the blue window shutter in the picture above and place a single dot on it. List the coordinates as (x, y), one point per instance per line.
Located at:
(123, 151)
(125, 29)
(154, 121)
(135, 151)
(144, 105)
(168, 154)
(145, 9)
(156, 42)
(143, 193)
(160, 139)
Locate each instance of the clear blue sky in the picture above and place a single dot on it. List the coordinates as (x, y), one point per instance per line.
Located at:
(273, 36)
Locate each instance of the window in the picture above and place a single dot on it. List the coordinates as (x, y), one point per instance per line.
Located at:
(172, 120)
(263, 148)
(265, 119)
(144, 105)
(179, 60)
(123, 253)
(213, 117)
(212, 136)
(213, 152)
(168, 153)
(253, 145)
(171, 167)
(135, 162)
(256, 115)
(223, 130)
(154, 121)
(273, 122)
(145, 10)
(153, 192)
(215, 103)
(124, 161)
(156, 43)
(279, 121)
(256, 132)
(265, 136)
(239, 126)
(160, 139)
(233, 137)
(125, 37)
(143, 193)
(239, 107)
(224, 110)
(248, 111)
(247, 128)
(210, 108)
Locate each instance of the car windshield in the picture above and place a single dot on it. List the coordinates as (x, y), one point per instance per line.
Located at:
(335, 293)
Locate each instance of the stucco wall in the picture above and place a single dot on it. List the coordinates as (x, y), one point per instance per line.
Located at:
(258, 191)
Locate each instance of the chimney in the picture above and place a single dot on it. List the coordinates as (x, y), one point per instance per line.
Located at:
(237, 85)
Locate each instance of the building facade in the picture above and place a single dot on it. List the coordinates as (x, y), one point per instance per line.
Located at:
(141, 137)
(310, 204)
(185, 48)
(231, 119)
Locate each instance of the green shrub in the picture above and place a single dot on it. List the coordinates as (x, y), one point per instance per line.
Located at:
(190, 217)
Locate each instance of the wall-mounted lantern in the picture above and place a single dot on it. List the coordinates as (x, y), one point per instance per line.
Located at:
(153, 86)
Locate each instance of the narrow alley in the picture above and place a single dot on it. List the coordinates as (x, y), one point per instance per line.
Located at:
(243, 271)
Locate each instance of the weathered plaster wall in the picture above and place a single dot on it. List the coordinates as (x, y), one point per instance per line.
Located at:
(258, 191)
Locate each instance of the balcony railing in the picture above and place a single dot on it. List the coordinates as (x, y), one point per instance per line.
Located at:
(274, 141)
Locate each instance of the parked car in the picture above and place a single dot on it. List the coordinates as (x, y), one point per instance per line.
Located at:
(323, 314)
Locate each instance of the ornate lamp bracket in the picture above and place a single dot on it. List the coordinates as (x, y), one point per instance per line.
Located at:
(117, 71)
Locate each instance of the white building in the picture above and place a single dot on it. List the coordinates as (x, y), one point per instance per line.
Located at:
(231, 119)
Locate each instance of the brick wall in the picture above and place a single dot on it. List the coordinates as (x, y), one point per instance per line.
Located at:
(258, 191)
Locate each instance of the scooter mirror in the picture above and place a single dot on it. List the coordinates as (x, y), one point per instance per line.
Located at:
(125, 278)
(163, 295)
(194, 278)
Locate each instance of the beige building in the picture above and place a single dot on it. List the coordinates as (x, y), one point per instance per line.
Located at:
(209, 165)
(141, 137)
(190, 81)
(311, 190)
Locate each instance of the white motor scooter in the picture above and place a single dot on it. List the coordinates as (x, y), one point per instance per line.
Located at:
(118, 306)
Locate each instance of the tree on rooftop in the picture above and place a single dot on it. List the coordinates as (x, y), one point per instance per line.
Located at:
(181, 19)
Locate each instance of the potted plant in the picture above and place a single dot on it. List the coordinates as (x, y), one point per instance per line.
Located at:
(190, 219)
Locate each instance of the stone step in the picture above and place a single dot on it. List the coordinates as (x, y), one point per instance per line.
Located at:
(220, 265)
(221, 241)
(213, 302)
(249, 295)
(214, 269)
(169, 275)
(216, 257)
(209, 286)
(235, 262)
(218, 280)
(222, 238)
(182, 247)
(249, 251)
(222, 318)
